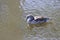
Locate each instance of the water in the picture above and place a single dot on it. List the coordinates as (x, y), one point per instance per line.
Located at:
(10, 20)
(14, 27)
(47, 31)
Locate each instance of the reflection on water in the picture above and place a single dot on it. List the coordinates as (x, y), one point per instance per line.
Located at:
(49, 8)
(39, 25)
(45, 25)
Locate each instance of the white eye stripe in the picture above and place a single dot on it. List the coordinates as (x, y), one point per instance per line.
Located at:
(28, 19)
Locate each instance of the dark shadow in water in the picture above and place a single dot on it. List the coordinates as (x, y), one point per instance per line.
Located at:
(31, 26)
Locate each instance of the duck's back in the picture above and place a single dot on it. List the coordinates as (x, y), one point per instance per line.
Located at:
(39, 21)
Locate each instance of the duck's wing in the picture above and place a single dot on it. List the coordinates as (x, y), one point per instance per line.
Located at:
(37, 21)
(42, 20)
(34, 22)
(38, 17)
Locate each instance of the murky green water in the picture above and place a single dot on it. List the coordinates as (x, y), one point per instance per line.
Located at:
(47, 31)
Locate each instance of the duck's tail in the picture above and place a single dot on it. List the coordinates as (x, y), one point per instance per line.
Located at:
(48, 19)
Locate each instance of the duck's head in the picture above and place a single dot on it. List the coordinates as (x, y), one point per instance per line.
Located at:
(29, 18)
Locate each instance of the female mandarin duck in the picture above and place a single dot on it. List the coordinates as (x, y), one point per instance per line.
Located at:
(36, 19)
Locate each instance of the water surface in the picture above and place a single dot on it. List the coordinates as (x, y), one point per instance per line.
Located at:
(47, 31)
(10, 20)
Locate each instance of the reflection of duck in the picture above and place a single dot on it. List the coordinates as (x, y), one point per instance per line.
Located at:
(36, 19)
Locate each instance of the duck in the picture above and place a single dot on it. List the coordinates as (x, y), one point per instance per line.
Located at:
(36, 19)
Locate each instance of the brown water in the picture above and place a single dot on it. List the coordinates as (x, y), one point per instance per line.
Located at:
(14, 27)
(10, 20)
